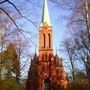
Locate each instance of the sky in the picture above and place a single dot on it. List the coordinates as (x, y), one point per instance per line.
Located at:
(56, 17)
(58, 24)
(35, 14)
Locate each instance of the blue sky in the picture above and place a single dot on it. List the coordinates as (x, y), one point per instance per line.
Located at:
(58, 24)
(56, 16)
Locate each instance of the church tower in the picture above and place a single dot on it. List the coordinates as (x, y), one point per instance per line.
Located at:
(45, 35)
(46, 70)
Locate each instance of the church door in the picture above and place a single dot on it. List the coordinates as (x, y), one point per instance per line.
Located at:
(47, 84)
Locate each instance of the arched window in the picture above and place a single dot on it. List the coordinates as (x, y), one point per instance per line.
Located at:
(43, 40)
(49, 44)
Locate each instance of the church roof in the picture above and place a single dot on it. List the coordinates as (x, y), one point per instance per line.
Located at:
(45, 14)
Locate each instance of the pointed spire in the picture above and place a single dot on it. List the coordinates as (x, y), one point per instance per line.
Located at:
(35, 48)
(45, 14)
(56, 51)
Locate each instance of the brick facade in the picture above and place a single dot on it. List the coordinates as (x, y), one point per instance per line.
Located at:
(46, 70)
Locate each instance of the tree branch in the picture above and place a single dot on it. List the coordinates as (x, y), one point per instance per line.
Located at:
(20, 12)
(12, 21)
(3, 1)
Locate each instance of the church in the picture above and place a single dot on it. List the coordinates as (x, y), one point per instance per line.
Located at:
(46, 71)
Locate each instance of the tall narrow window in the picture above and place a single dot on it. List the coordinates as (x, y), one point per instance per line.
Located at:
(49, 44)
(43, 40)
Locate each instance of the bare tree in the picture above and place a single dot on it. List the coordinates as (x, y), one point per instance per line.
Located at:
(79, 26)
(11, 12)
(69, 50)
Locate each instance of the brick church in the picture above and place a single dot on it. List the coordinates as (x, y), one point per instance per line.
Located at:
(46, 70)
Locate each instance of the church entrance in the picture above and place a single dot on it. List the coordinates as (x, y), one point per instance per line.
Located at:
(47, 83)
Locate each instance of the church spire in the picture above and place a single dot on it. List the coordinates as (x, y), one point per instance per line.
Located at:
(45, 14)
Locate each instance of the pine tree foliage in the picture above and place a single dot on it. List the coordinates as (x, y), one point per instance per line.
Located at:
(10, 70)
